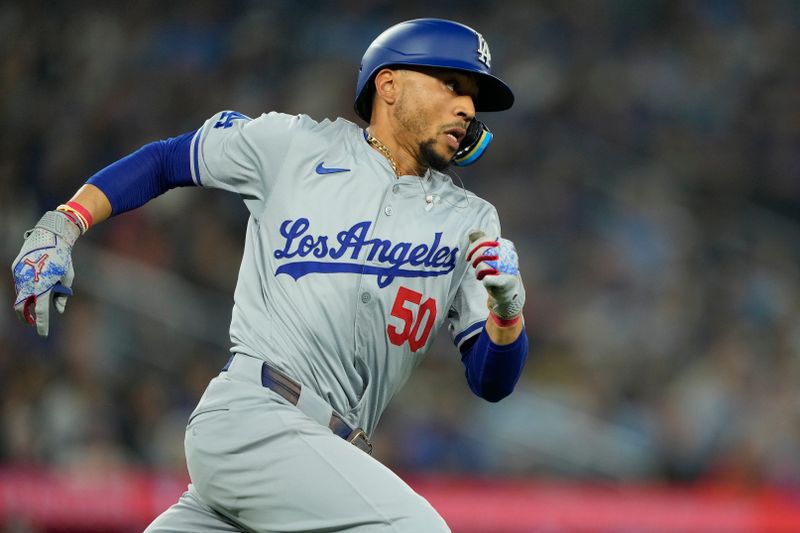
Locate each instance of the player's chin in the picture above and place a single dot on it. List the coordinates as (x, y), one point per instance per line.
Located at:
(436, 156)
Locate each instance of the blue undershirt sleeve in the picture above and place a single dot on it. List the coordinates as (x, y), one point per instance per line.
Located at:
(146, 173)
(493, 370)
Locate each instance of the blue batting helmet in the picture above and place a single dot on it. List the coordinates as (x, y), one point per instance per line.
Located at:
(432, 43)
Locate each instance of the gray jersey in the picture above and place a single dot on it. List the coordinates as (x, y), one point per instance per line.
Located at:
(348, 272)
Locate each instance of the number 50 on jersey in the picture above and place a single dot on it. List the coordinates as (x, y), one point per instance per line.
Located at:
(416, 317)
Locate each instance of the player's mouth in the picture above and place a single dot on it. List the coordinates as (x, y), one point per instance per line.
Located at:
(454, 136)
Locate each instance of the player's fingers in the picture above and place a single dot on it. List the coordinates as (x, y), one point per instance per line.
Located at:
(60, 295)
(479, 246)
(498, 282)
(42, 313)
(485, 264)
(483, 254)
(488, 256)
(19, 304)
(485, 271)
(60, 303)
(25, 309)
(476, 235)
(63, 290)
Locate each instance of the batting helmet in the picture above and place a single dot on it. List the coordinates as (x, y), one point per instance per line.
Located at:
(432, 42)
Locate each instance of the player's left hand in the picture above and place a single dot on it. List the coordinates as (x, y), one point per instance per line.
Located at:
(496, 265)
(43, 271)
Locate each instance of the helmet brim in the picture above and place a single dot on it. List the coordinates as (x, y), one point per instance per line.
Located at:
(493, 93)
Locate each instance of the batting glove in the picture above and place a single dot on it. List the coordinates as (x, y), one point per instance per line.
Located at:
(496, 266)
(43, 270)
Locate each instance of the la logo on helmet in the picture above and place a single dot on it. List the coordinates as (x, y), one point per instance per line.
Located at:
(484, 56)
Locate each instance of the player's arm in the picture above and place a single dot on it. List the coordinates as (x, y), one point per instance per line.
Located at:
(493, 370)
(94, 201)
(43, 271)
(503, 334)
(494, 359)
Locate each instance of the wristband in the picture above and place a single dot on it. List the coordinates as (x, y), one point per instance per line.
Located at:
(74, 211)
(73, 216)
(83, 212)
(503, 322)
(75, 219)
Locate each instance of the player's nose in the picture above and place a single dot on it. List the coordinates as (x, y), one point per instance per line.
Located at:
(464, 107)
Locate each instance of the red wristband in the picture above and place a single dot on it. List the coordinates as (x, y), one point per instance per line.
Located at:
(82, 211)
(503, 322)
(73, 217)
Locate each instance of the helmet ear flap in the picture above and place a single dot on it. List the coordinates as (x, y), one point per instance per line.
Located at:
(473, 145)
(364, 102)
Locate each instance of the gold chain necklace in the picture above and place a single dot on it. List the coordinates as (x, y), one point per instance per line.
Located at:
(382, 148)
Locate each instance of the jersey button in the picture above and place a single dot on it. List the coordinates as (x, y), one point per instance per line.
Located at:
(365, 297)
(388, 210)
(395, 189)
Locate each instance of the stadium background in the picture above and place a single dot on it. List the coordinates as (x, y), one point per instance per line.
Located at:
(648, 174)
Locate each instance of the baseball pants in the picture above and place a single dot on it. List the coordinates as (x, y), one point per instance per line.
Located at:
(259, 464)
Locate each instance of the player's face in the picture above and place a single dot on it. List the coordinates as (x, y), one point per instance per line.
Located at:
(434, 111)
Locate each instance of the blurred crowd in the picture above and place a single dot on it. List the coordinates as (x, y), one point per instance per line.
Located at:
(649, 174)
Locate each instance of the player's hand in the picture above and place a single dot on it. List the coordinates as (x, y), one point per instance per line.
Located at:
(496, 266)
(43, 270)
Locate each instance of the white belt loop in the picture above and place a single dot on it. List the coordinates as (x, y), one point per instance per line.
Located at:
(314, 407)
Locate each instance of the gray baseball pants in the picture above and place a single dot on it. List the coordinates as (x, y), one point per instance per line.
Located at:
(259, 464)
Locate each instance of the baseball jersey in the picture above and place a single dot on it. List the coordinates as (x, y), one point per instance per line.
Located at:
(348, 271)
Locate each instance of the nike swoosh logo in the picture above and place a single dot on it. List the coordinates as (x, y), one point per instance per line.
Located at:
(321, 169)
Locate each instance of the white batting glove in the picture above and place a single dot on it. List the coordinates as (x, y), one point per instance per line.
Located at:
(496, 265)
(43, 270)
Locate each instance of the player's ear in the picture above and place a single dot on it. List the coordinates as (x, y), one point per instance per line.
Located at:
(386, 85)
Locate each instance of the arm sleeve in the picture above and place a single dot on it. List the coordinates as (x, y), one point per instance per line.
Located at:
(493, 370)
(150, 171)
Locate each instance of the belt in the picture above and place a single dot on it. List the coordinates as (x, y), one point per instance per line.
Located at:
(292, 391)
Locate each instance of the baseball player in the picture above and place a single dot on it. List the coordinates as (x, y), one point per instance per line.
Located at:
(358, 249)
